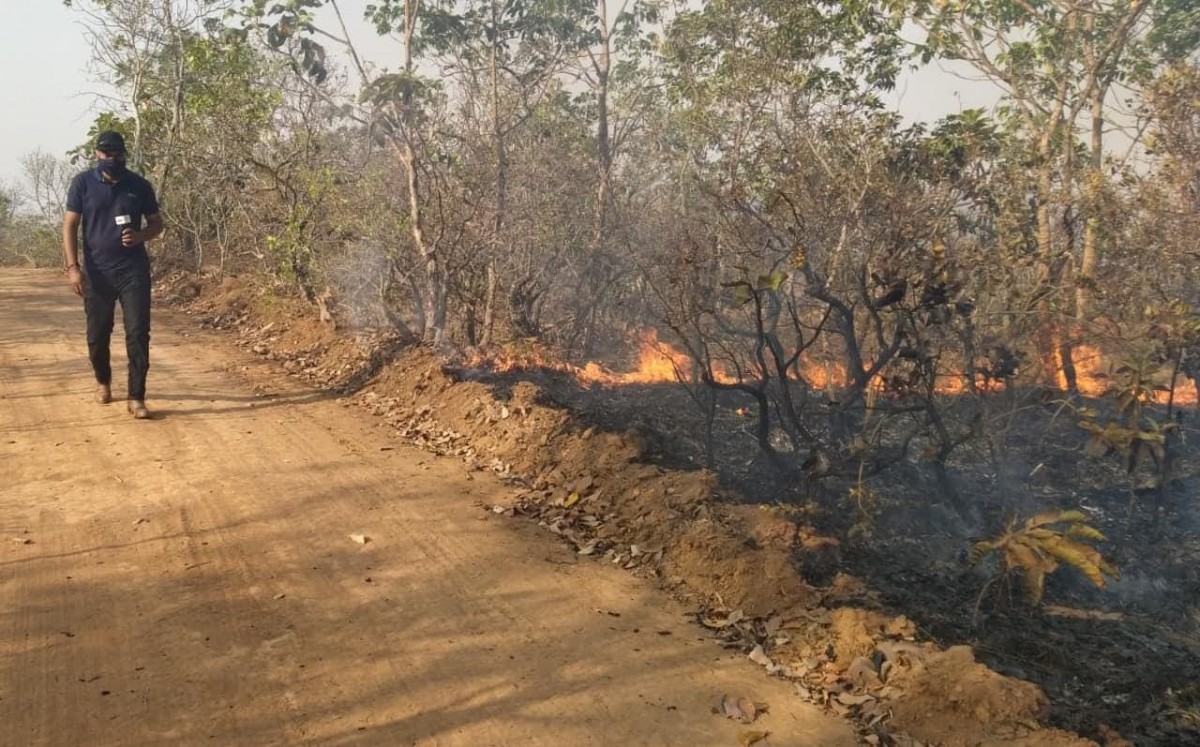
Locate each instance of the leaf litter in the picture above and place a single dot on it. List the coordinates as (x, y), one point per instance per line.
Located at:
(750, 738)
(742, 710)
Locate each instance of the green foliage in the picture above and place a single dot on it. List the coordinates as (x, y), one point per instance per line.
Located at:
(85, 152)
(293, 250)
(290, 23)
(1176, 33)
(395, 88)
(763, 47)
(224, 72)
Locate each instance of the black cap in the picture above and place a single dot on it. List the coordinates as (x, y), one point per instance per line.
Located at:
(110, 142)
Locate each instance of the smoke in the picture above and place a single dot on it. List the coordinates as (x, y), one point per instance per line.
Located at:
(360, 280)
(1141, 591)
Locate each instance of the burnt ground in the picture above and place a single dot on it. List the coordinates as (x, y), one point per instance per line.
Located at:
(1127, 656)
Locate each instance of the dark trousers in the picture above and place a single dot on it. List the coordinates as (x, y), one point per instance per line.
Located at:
(130, 286)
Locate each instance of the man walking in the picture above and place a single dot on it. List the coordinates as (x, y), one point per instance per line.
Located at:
(110, 202)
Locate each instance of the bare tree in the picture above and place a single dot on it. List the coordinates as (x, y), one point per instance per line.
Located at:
(47, 178)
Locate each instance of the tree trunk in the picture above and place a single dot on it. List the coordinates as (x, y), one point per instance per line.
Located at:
(1045, 228)
(596, 275)
(434, 293)
(1046, 334)
(1064, 263)
(1087, 266)
(501, 196)
(136, 94)
(603, 67)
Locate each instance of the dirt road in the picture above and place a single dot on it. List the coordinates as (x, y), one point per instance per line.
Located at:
(191, 579)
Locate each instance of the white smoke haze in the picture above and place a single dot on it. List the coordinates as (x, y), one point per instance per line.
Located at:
(360, 279)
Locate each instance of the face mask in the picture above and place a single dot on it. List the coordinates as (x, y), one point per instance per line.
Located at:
(113, 167)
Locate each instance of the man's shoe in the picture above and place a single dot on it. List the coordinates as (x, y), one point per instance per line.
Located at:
(137, 409)
(103, 393)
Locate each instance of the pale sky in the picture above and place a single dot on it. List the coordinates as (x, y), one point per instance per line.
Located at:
(49, 92)
(44, 83)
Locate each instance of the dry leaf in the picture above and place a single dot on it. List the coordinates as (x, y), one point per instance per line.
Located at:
(1077, 614)
(758, 656)
(850, 699)
(873, 714)
(771, 627)
(742, 710)
(571, 499)
(748, 710)
(361, 539)
(716, 623)
(900, 652)
(862, 673)
(23, 540)
(796, 671)
(748, 738)
(730, 708)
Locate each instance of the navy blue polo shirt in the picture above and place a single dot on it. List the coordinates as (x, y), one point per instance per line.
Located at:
(101, 204)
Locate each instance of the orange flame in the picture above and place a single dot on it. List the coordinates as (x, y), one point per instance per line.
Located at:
(823, 375)
(660, 362)
(1094, 380)
(657, 362)
(1089, 372)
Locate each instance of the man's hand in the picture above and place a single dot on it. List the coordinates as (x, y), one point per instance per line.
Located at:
(130, 237)
(75, 278)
